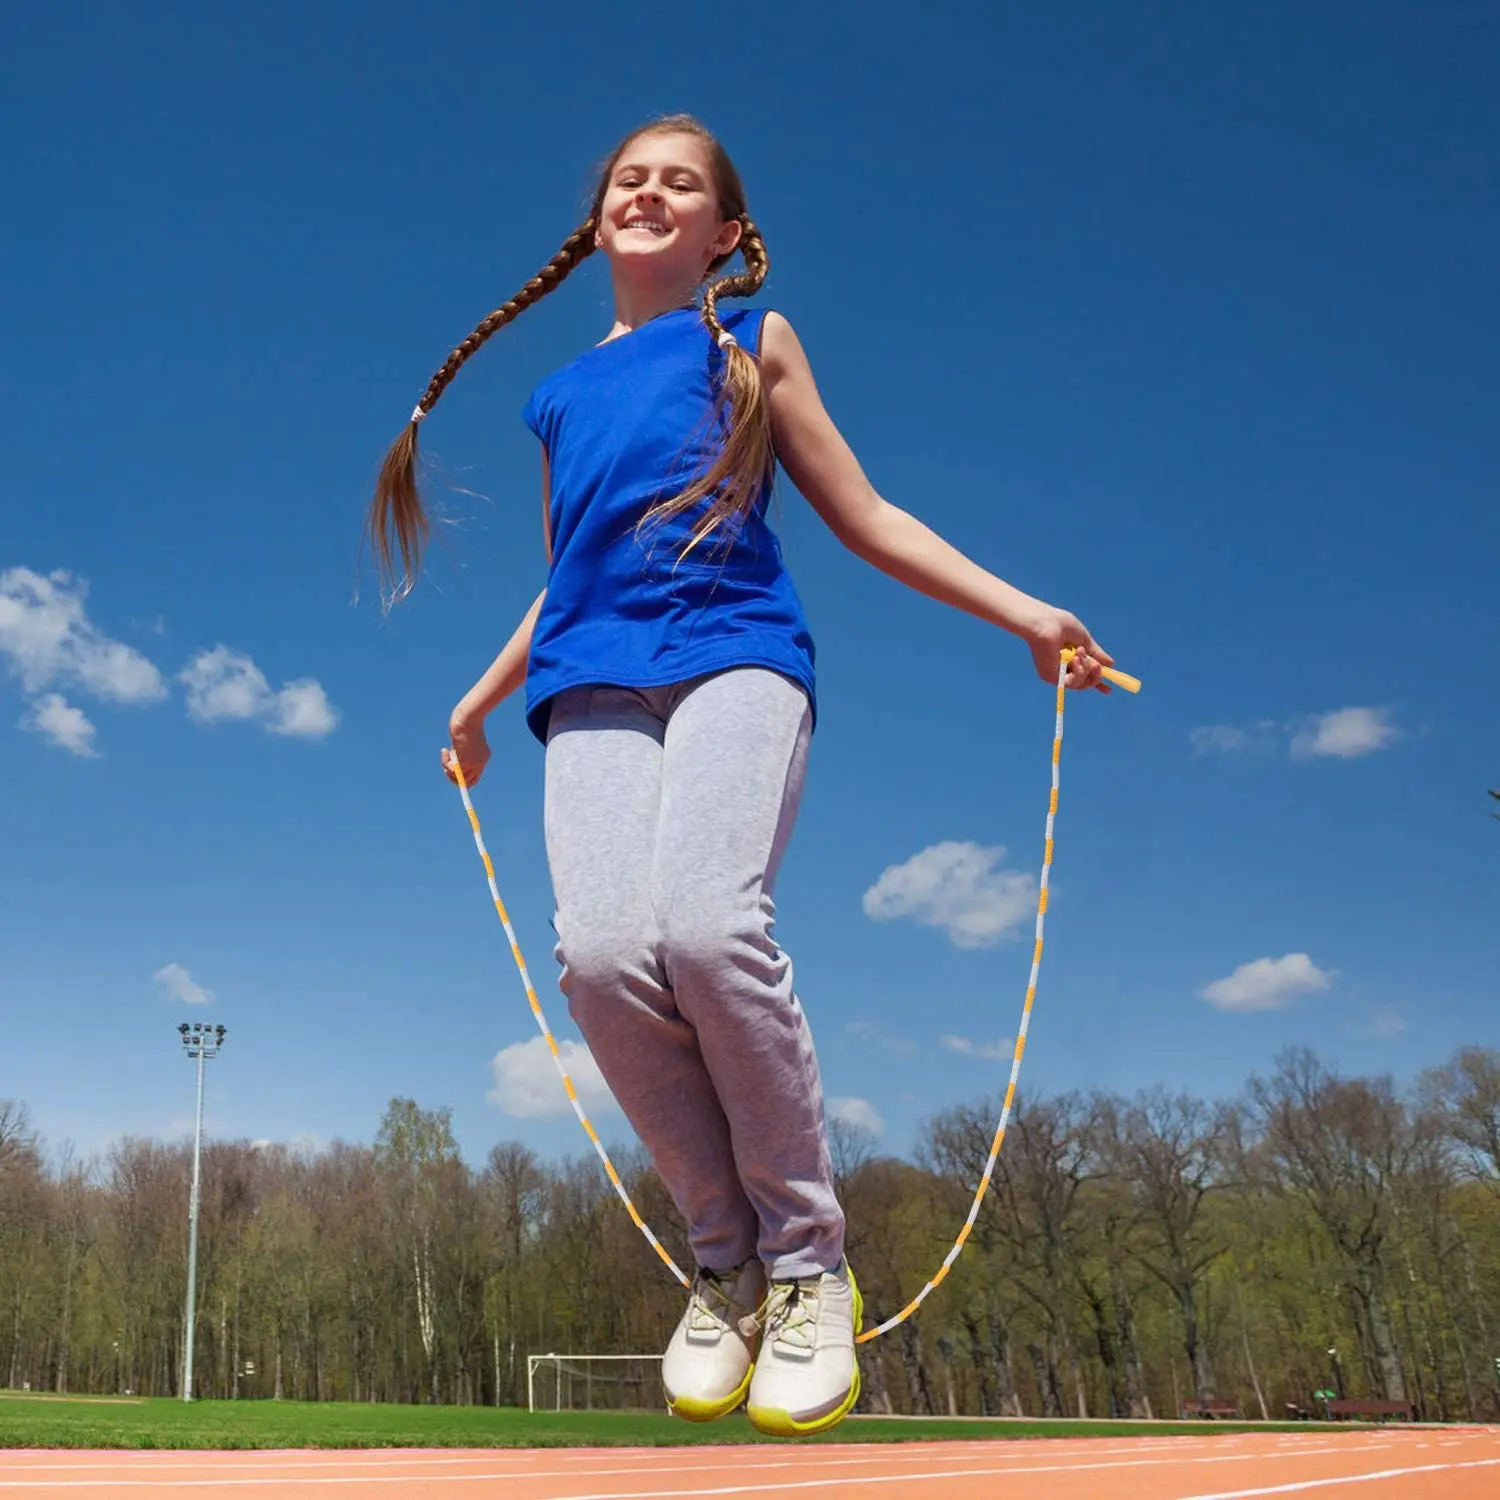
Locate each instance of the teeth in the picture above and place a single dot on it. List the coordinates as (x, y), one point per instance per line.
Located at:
(650, 224)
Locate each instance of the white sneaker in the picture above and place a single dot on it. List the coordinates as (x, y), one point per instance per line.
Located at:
(807, 1377)
(709, 1362)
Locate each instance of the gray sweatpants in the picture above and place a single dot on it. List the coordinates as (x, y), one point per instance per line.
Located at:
(667, 813)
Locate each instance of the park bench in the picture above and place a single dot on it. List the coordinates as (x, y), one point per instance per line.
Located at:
(1338, 1410)
(1214, 1407)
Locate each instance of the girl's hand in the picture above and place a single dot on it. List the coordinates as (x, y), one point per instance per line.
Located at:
(466, 733)
(1052, 629)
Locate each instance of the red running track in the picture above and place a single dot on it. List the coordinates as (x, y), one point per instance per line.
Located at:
(1391, 1464)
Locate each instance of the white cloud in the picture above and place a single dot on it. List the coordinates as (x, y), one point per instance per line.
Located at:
(1225, 739)
(1346, 733)
(858, 1112)
(1343, 734)
(1001, 1051)
(1387, 1021)
(527, 1086)
(955, 885)
(225, 684)
(1268, 983)
(69, 727)
(179, 985)
(47, 639)
(303, 709)
(873, 1034)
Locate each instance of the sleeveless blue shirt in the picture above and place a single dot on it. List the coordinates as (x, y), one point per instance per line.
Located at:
(625, 424)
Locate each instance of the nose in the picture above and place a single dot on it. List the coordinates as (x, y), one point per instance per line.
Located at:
(647, 195)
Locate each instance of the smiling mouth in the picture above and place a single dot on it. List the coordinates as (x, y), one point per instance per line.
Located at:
(651, 226)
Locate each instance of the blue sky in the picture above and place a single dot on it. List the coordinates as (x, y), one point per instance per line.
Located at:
(1184, 320)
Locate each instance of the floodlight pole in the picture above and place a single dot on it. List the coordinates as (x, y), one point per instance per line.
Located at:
(202, 1043)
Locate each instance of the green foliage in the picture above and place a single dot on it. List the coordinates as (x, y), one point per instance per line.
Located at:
(1132, 1258)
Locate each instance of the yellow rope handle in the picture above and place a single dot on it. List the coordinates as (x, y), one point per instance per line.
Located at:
(1121, 679)
(1110, 674)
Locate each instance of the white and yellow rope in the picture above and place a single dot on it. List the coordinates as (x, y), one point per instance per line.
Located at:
(1121, 679)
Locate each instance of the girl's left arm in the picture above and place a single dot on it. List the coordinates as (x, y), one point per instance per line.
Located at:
(823, 467)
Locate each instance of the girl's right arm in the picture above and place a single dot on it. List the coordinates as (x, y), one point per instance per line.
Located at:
(506, 673)
(466, 724)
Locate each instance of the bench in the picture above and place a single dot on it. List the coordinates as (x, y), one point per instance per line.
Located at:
(1338, 1410)
(1212, 1408)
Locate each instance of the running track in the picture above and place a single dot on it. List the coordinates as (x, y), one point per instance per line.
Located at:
(1390, 1464)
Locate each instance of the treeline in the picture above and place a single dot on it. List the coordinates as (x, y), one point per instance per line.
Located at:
(1132, 1256)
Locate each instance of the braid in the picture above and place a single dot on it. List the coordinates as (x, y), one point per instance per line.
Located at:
(578, 246)
(746, 284)
(396, 515)
(748, 458)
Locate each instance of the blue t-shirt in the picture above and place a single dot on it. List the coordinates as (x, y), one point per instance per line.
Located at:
(625, 424)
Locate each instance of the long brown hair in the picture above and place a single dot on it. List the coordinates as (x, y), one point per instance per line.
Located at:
(397, 521)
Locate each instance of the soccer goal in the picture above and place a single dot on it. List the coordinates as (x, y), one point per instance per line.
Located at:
(594, 1382)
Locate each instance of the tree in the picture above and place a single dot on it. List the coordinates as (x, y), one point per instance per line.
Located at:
(1352, 1217)
(512, 1186)
(1169, 1151)
(415, 1148)
(72, 1241)
(17, 1138)
(21, 1218)
(1466, 1094)
(896, 1214)
(1342, 1147)
(851, 1146)
(1035, 1210)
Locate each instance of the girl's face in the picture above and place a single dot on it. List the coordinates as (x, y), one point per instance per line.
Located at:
(660, 214)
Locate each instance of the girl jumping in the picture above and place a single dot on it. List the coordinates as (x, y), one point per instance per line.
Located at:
(669, 673)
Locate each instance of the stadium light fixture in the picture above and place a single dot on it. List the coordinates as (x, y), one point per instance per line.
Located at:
(200, 1043)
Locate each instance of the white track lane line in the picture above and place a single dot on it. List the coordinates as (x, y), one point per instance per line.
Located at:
(1303, 1485)
(669, 1460)
(770, 1487)
(758, 1455)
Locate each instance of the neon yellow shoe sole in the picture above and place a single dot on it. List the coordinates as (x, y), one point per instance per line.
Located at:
(774, 1422)
(690, 1409)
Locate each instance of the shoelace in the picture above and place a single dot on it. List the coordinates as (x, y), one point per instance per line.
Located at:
(789, 1315)
(702, 1316)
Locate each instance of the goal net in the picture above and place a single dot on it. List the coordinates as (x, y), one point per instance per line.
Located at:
(594, 1382)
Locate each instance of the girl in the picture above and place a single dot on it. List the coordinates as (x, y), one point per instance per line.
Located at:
(669, 673)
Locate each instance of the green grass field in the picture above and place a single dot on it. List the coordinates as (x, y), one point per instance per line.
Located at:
(112, 1422)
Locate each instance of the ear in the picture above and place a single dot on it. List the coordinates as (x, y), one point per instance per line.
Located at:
(727, 240)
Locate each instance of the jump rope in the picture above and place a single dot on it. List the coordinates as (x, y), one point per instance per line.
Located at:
(1120, 679)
